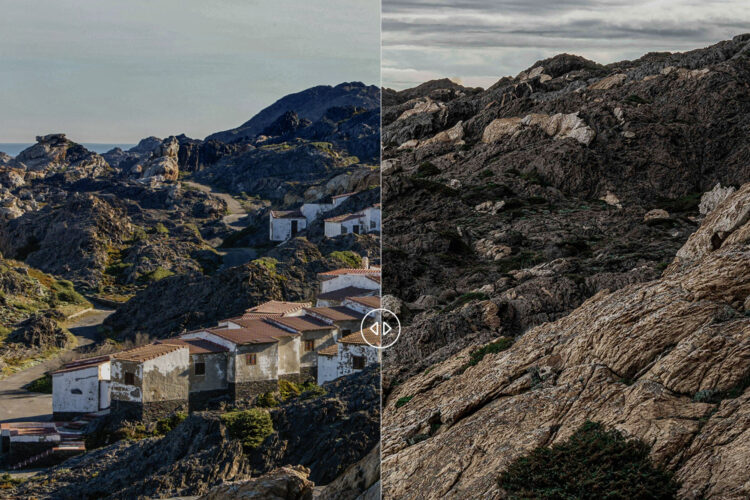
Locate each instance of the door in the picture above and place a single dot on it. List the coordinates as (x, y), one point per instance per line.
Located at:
(295, 227)
(355, 229)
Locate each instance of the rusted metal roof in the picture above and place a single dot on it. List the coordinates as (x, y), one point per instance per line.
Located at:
(351, 270)
(345, 217)
(147, 352)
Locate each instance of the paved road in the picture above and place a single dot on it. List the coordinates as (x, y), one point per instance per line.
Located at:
(16, 403)
(236, 216)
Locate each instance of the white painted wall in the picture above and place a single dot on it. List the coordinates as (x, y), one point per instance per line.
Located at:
(327, 368)
(339, 200)
(281, 229)
(120, 391)
(360, 308)
(344, 280)
(174, 367)
(333, 229)
(312, 211)
(372, 219)
(211, 338)
(76, 391)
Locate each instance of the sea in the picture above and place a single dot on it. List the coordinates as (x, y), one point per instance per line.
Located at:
(13, 148)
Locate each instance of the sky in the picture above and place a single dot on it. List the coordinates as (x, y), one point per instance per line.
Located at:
(115, 71)
(476, 42)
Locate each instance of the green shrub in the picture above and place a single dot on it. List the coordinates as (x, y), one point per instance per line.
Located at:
(251, 426)
(42, 384)
(267, 262)
(156, 275)
(347, 258)
(64, 292)
(312, 390)
(267, 400)
(288, 389)
(593, 463)
(160, 228)
(402, 401)
(500, 345)
(166, 424)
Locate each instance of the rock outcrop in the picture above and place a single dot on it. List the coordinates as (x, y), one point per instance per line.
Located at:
(665, 361)
(54, 153)
(284, 483)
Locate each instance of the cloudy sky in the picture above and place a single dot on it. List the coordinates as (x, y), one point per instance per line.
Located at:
(115, 71)
(479, 41)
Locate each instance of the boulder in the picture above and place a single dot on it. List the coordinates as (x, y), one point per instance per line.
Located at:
(284, 483)
(656, 214)
(711, 199)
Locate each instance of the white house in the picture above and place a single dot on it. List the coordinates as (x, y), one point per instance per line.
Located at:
(350, 354)
(285, 224)
(81, 387)
(337, 297)
(372, 218)
(340, 198)
(345, 224)
(312, 211)
(362, 304)
(368, 279)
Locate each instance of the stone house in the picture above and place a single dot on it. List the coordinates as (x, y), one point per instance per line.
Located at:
(313, 334)
(285, 224)
(207, 374)
(350, 354)
(259, 353)
(150, 382)
(368, 279)
(80, 387)
(345, 224)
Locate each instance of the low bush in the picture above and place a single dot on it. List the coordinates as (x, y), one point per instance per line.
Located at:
(402, 401)
(593, 463)
(500, 345)
(42, 385)
(267, 400)
(251, 426)
(166, 424)
(347, 258)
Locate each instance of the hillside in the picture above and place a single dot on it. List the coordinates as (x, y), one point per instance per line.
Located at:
(538, 243)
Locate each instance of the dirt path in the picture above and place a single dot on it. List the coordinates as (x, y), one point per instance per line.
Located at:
(16, 403)
(236, 213)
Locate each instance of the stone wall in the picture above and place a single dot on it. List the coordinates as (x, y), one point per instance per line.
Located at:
(147, 412)
(205, 400)
(249, 390)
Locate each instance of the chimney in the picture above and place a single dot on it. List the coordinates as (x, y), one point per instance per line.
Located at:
(365, 263)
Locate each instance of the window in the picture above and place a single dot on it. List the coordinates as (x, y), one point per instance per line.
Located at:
(76, 391)
(358, 362)
(344, 230)
(309, 345)
(129, 378)
(199, 368)
(373, 224)
(251, 359)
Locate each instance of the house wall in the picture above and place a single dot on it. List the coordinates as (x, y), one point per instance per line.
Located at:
(211, 338)
(312, 211)
(166, 378)
(338, 201)
(289, 356)
(360, 308)
(215, 377)
(281, 229)
(372, 219)
(266, 368)
(347, 351)
(333, 229)
(118, 390)
(327, 368)
(345, 280)
(322, 338)
(75, 392)
(347, 327)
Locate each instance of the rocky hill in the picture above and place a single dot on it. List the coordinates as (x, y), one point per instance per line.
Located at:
(325, 434)
(547, 210)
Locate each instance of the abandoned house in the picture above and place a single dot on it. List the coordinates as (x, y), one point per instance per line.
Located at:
(150, 382)
(344, 319)
(363, 304)
(348, 355)
(207, 374)
(80, 387)
(367, 279)
(313, 334)
(337, 297)
(345, 224)
(312, 211)
(285, 224)
(258, 354)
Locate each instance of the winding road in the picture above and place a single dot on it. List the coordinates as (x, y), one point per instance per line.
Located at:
(18, 404)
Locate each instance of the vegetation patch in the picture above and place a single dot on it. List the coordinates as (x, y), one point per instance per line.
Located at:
(8, 482)
(500, 345)
(402, 401)
(42, 385)
(165, 425)
(347, 258)
(251, 426)
(267, 400)
(714, 396)
(268, 263)
(593, 463)
(426, 169)
(156, 275)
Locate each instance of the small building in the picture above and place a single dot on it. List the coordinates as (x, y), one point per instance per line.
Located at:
(285, 224)
(345, 224)
(337, 279)
(150, 382)
(372, 218)
(22, 441)
(269, 309)
(344, 319)
(313, 336)
(259, 354)
(341, 198)
(350, 354)
(80, 387)
(363, 304)
(337, 297)
(312, 211)
(208, 371)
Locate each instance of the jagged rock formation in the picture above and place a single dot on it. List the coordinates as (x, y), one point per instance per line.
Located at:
(284, 483)
(359, 481)
(54, 153)
(664, 360)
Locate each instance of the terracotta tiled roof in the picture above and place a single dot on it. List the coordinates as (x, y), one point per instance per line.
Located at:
(342, 293)
(287, 214)
(146, 352)
(302, 323)
(253, 331)
(81, 364)
(196, 346)
(349, 270)
(369, 301)
(344, 194)
(358, 338)
(338, 313)
(331, 350)
(277, 307)
(345, 217)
